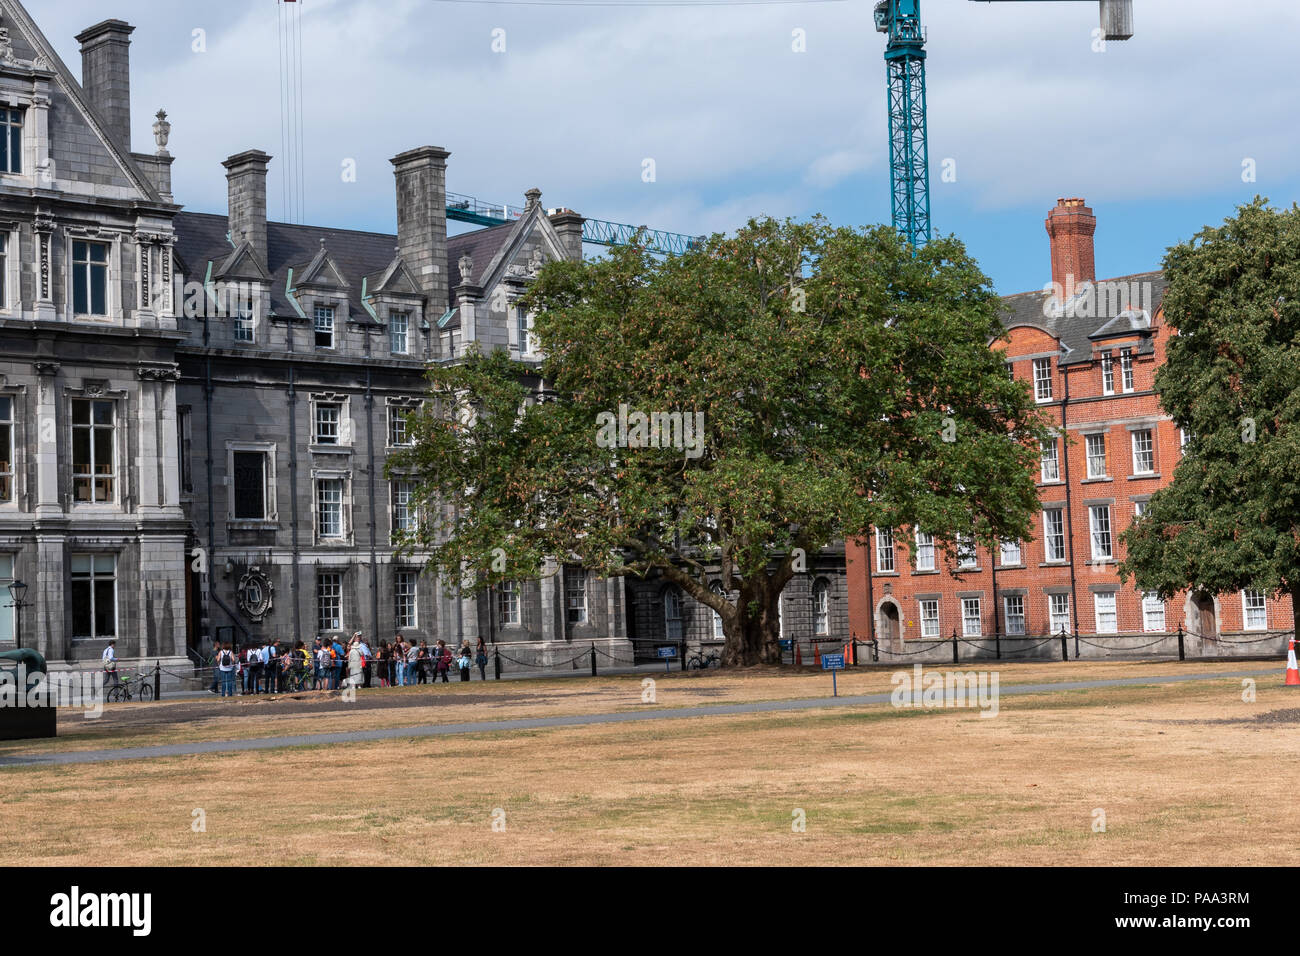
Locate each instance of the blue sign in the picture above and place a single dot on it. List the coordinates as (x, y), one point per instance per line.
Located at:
(668, 652)
(832, 662)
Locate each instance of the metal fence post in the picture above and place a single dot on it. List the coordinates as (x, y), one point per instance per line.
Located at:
(875, 650)
(1076, 643)
(496, 659)
(1065, 647)
(1181, 655)
(954, 645)
(997, 645)
(681, 650)
(593, 658)
(157, 679)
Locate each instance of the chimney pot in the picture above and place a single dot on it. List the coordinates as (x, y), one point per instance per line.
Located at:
(246, 205)
(1070, 228)
(106, 76)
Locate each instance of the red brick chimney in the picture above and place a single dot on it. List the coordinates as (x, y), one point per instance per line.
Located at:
(1070, 227)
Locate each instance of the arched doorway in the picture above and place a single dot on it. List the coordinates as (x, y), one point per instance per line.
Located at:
(890, 622)
(1200, 614)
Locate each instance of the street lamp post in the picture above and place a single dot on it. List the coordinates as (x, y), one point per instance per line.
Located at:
(17, 591)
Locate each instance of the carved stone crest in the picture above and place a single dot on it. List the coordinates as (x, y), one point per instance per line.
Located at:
(256, 594)
(466, 265)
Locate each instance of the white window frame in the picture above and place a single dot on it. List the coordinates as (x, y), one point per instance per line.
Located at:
(11, 472)
(1100, 533)
(1259, 606)
(345, 497)
(406, 598)
(1092, 459)
(1098, 610)
(268, 491)
(115, 477)
(719, 631)
(1058, 618)
(319, 314)
(1126, 370)
(244, 328)
(404, 319)
(673, 620)
(968, 558)
(1013, 613)
(1014, 549)
(929, 621)
(1107, 373)
(508, 604)
(575, 595)
(1042, 380)
(1151, 606)
(333, 580)
(821, 595)
(924, 550)
(94, 577)
(1150, 451)
(885, 563)
(972, 625)
(399, 527)
(1049, 455)
(403, 414)
(1049, 535)
(113, 278)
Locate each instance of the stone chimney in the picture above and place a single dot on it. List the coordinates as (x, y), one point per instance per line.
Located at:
(421, 176)
(569, 225)
(1070, 227)
(246, 206)
(106, 75)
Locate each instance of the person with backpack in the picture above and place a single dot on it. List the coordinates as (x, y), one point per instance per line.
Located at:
(253, 668)
(226, 670)
(367, 656)
(336, 664)
(271, 659)
(399, 661)
(441, 661)
(422, 663)
(463, 662)
(413, 665)
(480, 658)
(322, 665)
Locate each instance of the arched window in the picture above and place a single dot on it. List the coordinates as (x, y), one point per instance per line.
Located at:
(673, 614)
(718, 633)
(821, 607)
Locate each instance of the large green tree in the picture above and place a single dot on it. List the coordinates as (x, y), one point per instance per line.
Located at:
(844, 380)
(1230, 518)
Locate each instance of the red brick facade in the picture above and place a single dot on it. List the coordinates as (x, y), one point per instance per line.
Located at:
(1115, 446)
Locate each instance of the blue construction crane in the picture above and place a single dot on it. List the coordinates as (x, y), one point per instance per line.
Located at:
(909, 148)
(598, 231)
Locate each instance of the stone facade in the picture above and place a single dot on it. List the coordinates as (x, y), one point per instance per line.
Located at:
(201, 407)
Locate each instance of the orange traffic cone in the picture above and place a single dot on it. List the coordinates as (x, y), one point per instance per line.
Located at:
(1292, 675)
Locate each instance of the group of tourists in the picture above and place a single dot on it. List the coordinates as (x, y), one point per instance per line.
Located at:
(331, 663)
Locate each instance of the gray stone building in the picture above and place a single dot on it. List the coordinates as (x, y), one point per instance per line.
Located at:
(196, 409)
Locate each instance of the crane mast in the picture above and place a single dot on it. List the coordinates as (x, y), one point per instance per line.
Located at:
(909, 148)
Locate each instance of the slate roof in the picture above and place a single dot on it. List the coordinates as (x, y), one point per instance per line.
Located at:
(1080, 328)
(201, 238)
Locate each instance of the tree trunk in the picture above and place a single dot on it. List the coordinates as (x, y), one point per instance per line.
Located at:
(753, 638)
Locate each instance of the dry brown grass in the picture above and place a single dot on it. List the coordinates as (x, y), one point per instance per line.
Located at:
(877, 786)
(211, 718)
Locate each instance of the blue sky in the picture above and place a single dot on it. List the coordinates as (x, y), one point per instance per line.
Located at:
(1153, 132)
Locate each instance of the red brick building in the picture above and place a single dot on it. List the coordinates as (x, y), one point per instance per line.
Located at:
(1090, 350)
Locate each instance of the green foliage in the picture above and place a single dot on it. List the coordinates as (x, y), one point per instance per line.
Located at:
(830, 365)
(1229, 518)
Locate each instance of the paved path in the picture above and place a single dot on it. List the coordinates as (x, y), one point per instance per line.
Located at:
(575, 720)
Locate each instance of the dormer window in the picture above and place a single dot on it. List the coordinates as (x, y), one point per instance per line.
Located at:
(89, 278)
(399, 324)
(11, 140)
(324, 325)
(244, 321)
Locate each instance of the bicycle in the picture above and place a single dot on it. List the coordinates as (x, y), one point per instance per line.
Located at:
(699, 660)
(131, 687)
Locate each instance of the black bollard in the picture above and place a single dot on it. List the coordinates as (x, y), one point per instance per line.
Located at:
(681, 652)
(157, 679)
(997, 645)
(496, 662)
(875, 650)
(1065, 648)
(954, 645)
(593, 658)
(1181, 656)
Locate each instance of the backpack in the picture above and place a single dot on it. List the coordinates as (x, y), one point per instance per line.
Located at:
(226, 660)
